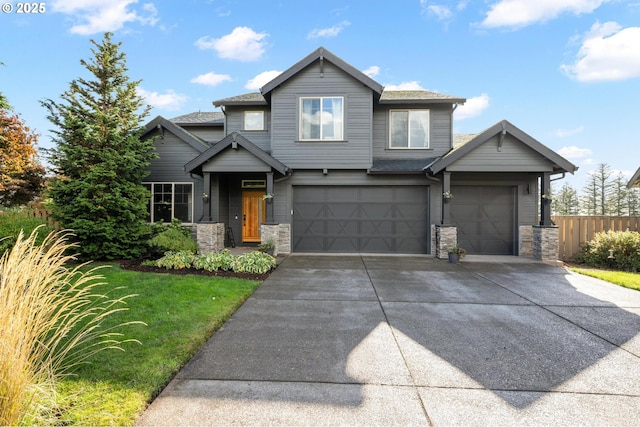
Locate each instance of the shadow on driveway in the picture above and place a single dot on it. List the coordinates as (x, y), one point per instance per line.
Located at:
(374, 339)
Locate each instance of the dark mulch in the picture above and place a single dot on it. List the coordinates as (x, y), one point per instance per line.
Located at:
(135, 265)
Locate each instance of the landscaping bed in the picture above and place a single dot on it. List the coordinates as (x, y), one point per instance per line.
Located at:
(136, 265)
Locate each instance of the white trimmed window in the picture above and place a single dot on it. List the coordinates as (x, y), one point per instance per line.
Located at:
(322, 118)
(254, 120)
(409, 129)
(170, 200)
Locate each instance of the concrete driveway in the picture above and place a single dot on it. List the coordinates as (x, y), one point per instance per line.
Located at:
(382, 340)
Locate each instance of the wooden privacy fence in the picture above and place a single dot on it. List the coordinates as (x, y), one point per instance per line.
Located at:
(574, 231)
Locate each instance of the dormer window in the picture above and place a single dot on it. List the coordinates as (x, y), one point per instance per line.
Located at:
(254, 120)
(322, 118)
(409, 129)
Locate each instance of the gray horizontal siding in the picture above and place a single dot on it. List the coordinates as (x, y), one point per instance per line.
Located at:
(239, 160)
(173, 154)
(514, 156)
(169, 166)
(439, 133)
(235, 123)
(209, 134)
(353, 152)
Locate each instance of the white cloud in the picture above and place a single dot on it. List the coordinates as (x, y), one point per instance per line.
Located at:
(573, 152)
(169, 101)
(412, 85)
(211, 79)
(328, 32)
(372, 71)
(608, 52)
(98, 16)
(441, 12)
(563, 133)
(242, 44)
(473, 107)
(520, 13)
(262, 79)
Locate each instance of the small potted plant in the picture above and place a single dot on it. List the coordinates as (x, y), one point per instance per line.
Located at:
(267, 247)
(455, 253)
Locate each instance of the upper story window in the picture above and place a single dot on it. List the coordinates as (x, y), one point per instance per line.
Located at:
(322, 118)
(254, 120)
(409, 129)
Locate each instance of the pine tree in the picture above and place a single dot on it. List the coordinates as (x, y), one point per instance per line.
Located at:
(100, 159)
(618, 204)
(597, 194)
(21, 175)
(633, 201)
(566, 201)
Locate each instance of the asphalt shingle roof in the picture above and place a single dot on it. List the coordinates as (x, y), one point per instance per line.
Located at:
(199, 117)
(414, 96)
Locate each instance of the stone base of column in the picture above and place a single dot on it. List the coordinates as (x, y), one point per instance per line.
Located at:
(545, 244)
(280, 234)
(446, 237)
(210, 237)
(525, 237)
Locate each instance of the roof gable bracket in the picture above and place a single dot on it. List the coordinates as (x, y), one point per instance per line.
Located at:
(321, 63)
(502, 135)
(234, 143)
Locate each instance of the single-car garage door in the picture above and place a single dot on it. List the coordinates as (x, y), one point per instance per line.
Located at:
(485, 217)
(376, 219)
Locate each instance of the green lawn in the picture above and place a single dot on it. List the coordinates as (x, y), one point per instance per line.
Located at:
(622, 278)
(181, 313)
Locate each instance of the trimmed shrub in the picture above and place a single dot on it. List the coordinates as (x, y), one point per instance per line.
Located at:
(624, 244)
(174, 240)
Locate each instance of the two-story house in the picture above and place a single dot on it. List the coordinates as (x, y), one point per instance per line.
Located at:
(323, 159)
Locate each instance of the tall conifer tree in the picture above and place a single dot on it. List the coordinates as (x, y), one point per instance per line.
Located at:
(100, 159)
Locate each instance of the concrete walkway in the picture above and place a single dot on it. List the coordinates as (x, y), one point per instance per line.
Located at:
(374, 340)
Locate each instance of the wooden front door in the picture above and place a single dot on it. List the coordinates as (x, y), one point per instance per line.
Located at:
(253, 214)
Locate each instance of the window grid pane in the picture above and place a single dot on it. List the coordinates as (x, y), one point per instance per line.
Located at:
(169, 200)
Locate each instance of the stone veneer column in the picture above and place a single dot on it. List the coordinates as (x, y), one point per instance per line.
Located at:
(210, 237)
(446, 237)
(526, 241)
(280, 234)
(545, 243)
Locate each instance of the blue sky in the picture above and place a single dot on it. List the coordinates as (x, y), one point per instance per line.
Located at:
(565, 71)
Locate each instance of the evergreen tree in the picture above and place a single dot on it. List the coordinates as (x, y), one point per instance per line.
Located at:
(598, 191)
(618, 204)
(100, 159)
(566, 201)
(633, 201)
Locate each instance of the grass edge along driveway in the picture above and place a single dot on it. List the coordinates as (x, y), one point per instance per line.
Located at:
(181, 313)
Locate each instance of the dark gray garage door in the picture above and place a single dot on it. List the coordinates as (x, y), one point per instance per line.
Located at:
(486, 218)
(380, 219)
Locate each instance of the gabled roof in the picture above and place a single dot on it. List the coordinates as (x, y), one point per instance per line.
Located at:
(418, 97)
(635, 180)
(200, 118)
(251, 98)
(160, 122)
(321, 54)
(560, 164)
(235, 140)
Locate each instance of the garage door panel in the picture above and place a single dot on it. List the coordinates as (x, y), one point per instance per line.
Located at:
(379, 219)
(485, 217)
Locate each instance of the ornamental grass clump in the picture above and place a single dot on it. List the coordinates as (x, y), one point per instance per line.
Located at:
(51, 320)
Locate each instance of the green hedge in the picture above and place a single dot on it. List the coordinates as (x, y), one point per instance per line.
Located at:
(624, 244)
